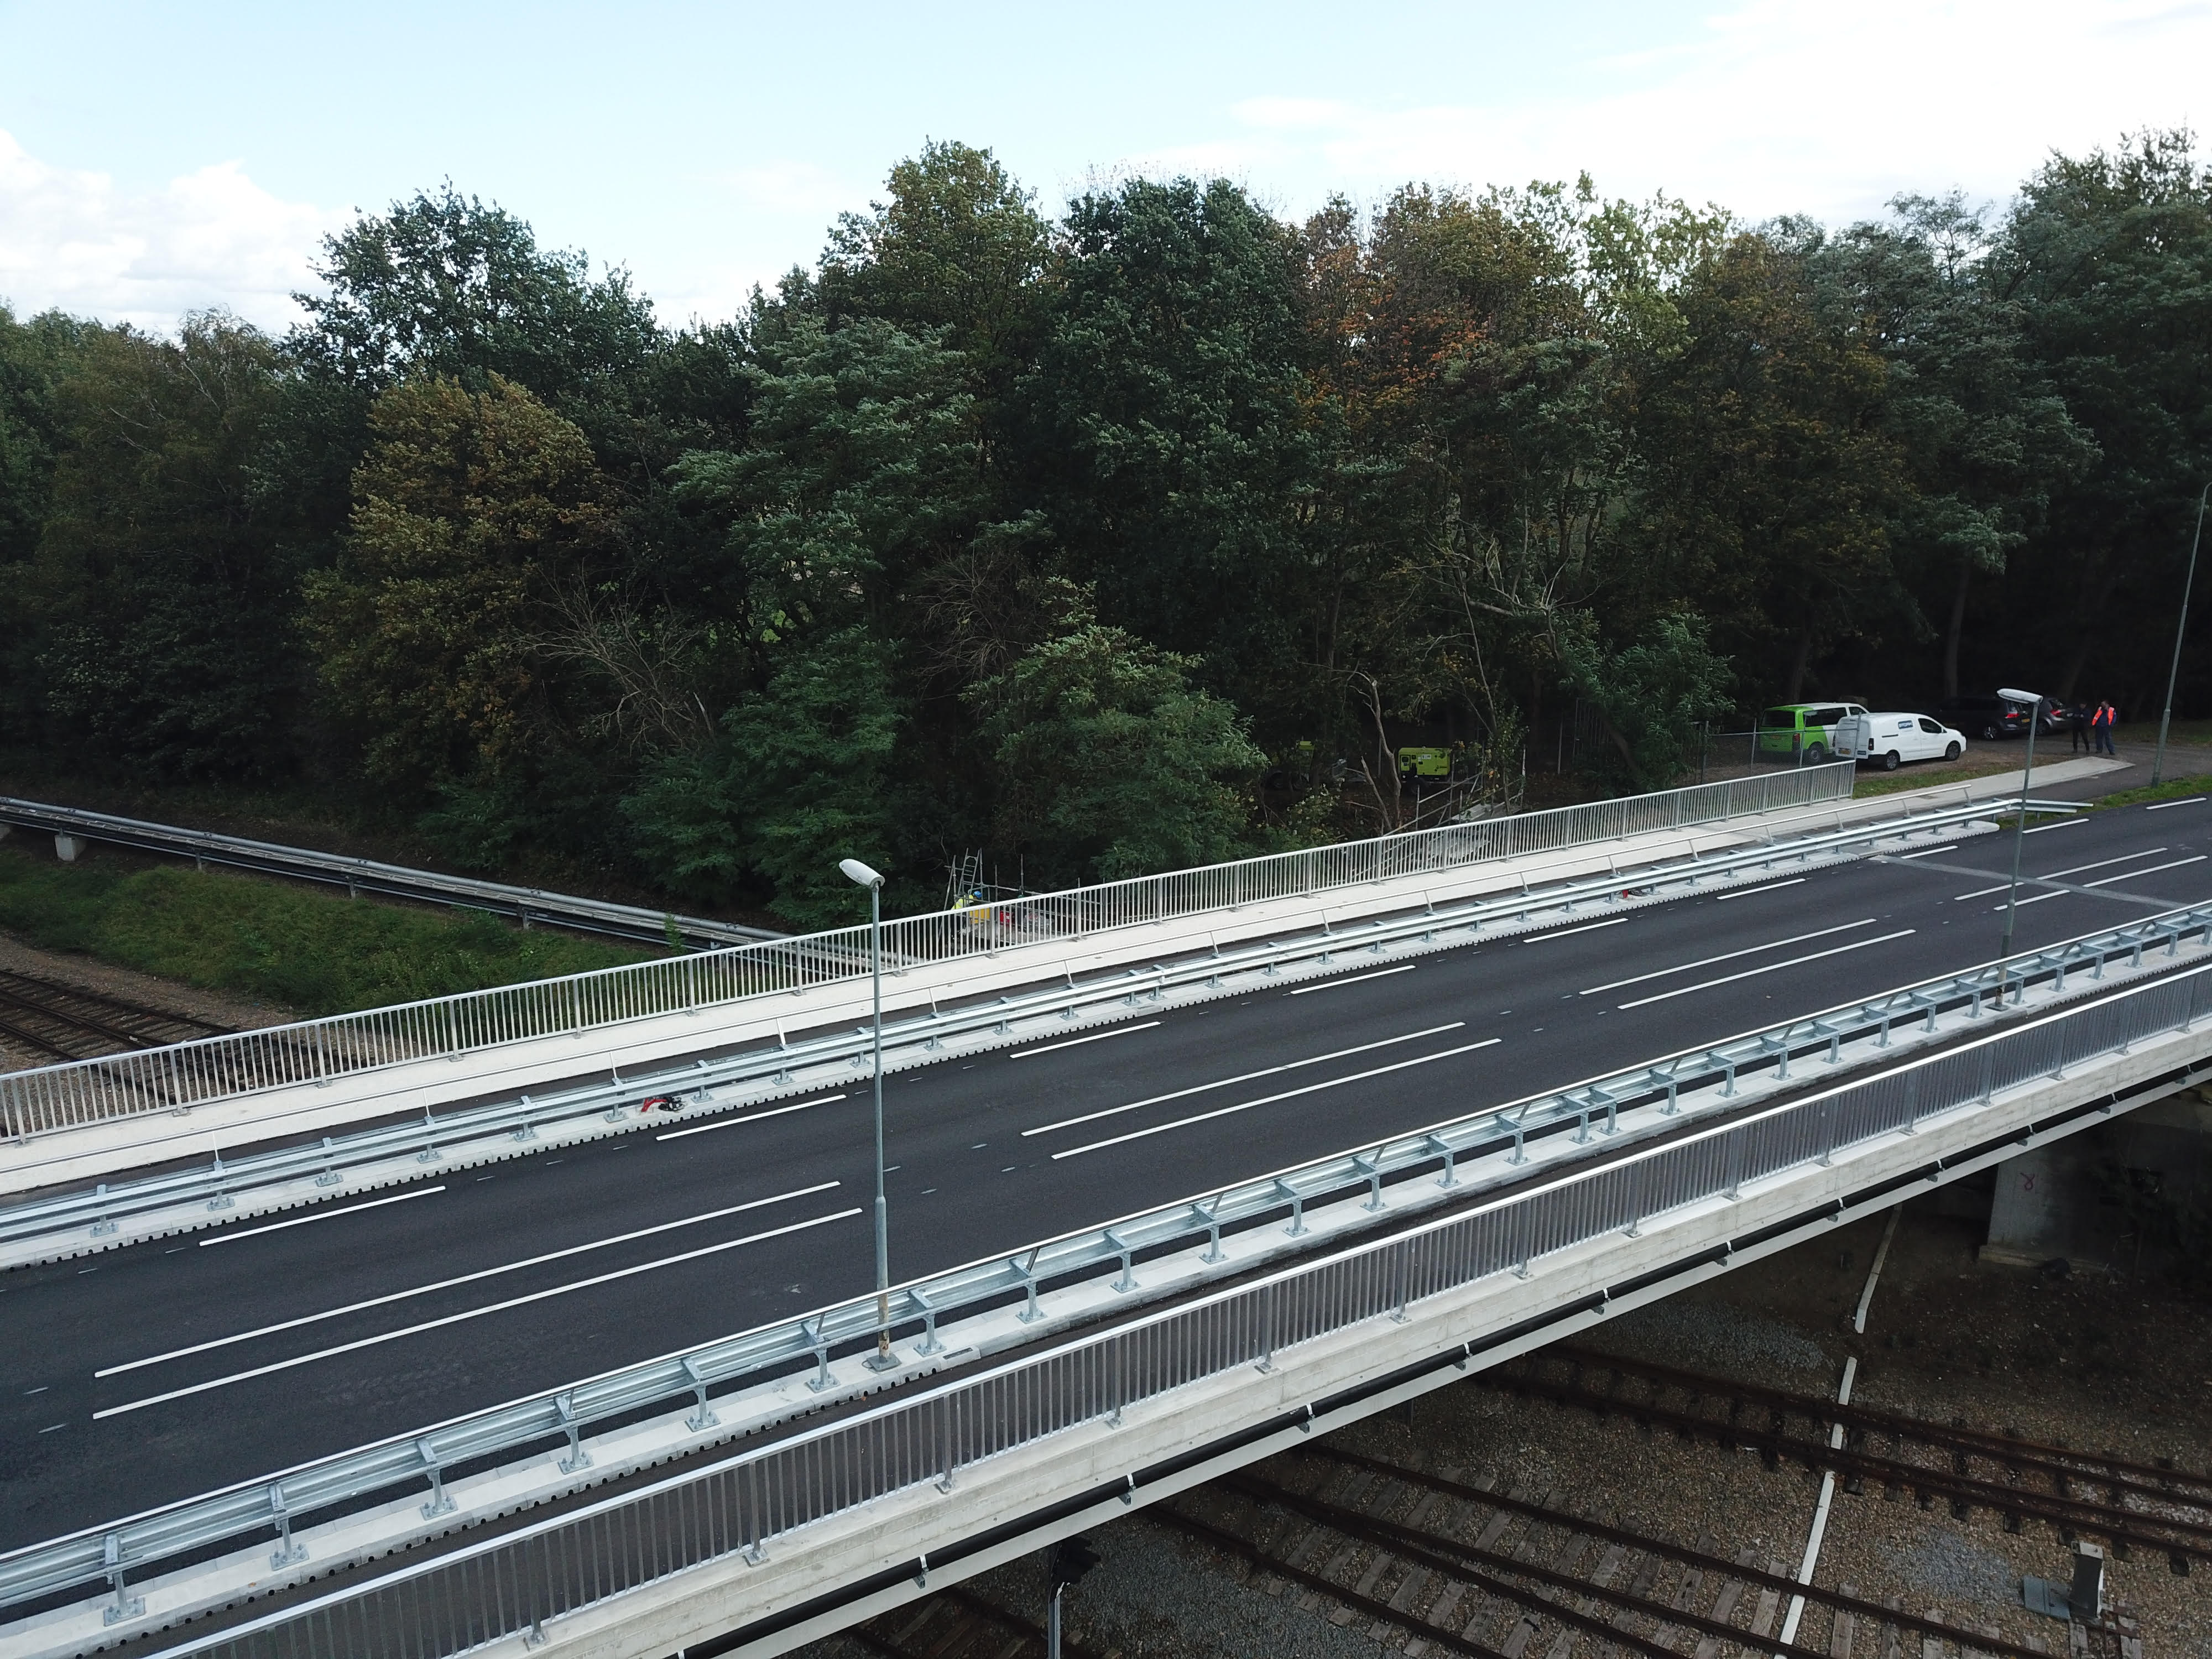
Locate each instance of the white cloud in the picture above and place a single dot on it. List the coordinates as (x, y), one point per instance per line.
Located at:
(73, 240)
(1776, 106)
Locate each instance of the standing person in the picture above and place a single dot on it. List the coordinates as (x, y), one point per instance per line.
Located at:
(2077, 726)
(2104, 720)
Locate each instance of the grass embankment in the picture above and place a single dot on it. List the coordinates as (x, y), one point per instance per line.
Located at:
(1889, 783)
(2172, 789)
(314, 952)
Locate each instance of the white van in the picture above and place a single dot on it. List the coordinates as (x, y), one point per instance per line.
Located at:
(1889, 740)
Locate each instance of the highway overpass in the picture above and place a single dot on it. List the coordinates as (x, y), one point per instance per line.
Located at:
(144, 1374)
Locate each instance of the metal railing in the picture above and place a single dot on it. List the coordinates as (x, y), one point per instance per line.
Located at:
(516, 1583)
(1583, 1114)
(78, 1092)
(221, 1182)
(358, 875)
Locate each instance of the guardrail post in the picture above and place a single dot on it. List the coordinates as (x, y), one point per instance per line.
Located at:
(1297, 1229)
(126, 1605)
(703, 1419)
(821, 1379)
(287, 1553)
(439, 1504)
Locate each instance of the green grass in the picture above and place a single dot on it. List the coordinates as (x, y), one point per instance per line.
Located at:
(315, 952)
(2172, 789)
(1888, 783)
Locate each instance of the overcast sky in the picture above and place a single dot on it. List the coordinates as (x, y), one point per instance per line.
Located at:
(156, 159)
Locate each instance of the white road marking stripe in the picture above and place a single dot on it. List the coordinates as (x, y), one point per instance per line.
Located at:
(751, 1117)
(2161, 805)
(1772, 886)
(1731, 956)
(472, 1313)
(2025, 902)
(2130, 875)
(1380, 973)
(325, 1215)
(2063, 823)
(1269, 1100)
(1586, 928)
(1076, 1042)
(1769, 968)
(1244, 1077)
(463, 1279)
(2105, 864)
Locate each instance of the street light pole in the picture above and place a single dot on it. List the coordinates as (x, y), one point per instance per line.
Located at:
(2180, 627)
(857, 871)
(2020, 828)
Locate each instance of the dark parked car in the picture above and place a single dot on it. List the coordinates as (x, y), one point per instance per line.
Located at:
(1985, 717)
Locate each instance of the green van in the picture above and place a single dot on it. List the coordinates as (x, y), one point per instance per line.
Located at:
(1803, 730)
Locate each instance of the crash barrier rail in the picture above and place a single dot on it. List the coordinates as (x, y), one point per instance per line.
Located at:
(1588, 1112)
(96, 1214)
(358, 876)
(515, 1584)
(78, 1092)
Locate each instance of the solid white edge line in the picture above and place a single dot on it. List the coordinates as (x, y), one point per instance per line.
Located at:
(471, 1313)
(1752, 892)
(2103, 864)
(1768, 968)
(1245, 1076)
(749, 1118)
(466, 1278)
(1586, 928)
(1380, 973)
(1269, 1100)
(1731, 955)
(2161, 805)
(1073, 1043)
(326, 1215)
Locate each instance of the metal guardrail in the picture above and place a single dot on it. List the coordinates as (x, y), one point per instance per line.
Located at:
(516, 1583)
(1589, 1111)
(78, 1092)
(356, 875)
(220, 1184)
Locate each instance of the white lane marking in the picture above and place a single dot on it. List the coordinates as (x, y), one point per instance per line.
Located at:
(472, 1313)
(2063, 823)
(751, 1117)
(2025, 902)
(1901, 857)
(1586, 928)
(2152, 870)
(1753, 892)
(1731, 956)
(1076, 1043)
(463, 1279)
(2161, 805)
(326, 1215)
(1244, 1077)
(1380, 973)
(1269, 1100)
(2105, 864)
(1769, 968)
(2101, 864)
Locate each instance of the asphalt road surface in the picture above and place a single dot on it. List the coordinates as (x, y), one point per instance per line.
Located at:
(153, 1373)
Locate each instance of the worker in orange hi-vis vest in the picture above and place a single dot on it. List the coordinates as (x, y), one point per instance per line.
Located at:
(2101, 724)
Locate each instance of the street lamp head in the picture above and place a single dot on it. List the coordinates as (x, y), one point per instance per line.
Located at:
(860, 874)
(2002, 691)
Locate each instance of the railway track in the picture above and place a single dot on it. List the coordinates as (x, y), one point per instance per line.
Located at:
(1443, 1562)
(956, 1623)
(50, 1021)
(2128, 1505)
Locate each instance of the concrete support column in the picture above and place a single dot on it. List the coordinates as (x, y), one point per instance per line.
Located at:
(66, 848)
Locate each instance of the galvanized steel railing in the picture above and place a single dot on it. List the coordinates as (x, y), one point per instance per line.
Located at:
(513, 1585)
(78, 1092)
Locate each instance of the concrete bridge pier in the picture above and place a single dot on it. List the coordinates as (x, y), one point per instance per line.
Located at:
(2128, 1197)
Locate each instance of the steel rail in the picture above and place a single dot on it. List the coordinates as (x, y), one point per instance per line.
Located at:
(517, 1581)
(906, 1041)
(58, 1097)
(559, 1415)
(359, 875)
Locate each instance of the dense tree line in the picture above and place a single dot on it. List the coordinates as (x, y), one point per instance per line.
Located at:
(1128, 540)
